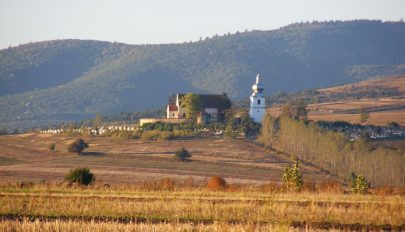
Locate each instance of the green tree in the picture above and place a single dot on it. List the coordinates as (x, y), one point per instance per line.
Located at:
(364, 115)
(182, 154)
(77, 146)
(82, 176)
(292, 177)
(192, 105)
(359, 183)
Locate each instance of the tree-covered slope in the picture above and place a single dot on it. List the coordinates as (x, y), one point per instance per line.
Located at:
(72, 79)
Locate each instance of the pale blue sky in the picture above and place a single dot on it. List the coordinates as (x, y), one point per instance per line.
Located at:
(171, 21)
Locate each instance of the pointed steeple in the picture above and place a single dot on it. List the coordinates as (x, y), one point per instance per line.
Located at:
(257, 87)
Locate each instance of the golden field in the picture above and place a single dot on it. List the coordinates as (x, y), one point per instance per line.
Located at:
(48, 207)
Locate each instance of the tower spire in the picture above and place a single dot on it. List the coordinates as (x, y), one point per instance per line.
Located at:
(257, 101)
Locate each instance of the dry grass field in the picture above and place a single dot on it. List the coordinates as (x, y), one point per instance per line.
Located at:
(26, 157)
(51, 208)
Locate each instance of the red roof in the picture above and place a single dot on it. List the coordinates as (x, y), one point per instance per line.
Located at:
(173, 107)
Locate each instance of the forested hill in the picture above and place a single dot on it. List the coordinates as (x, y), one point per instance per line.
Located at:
(72, 79)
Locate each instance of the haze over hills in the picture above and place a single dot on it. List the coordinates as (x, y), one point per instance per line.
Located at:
(73, 79)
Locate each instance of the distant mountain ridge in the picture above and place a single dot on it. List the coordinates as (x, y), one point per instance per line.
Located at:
(72, 79)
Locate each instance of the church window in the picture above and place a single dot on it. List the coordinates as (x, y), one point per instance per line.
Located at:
(173, 114)
(258, 101)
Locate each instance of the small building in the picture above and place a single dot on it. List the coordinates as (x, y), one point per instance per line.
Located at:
(212, 105)
(257, 101)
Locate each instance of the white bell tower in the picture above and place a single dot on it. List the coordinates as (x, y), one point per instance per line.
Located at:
(257, 102)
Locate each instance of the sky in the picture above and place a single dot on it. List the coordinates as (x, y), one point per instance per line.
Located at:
(171, 21)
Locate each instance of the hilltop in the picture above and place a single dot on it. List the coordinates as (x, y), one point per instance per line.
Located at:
(62, 80)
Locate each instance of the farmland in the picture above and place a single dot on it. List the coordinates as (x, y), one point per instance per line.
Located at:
(133, 161)
(382, 111)
(194, 208)
(141, 187)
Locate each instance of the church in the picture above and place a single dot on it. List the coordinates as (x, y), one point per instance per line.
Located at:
(257, 102)
(212, 107)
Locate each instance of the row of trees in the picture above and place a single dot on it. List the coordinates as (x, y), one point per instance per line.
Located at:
(333, 151)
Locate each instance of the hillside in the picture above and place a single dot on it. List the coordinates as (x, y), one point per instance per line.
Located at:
(383, 98)
(62, 80)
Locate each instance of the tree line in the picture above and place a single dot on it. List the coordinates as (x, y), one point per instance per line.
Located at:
(333, 151)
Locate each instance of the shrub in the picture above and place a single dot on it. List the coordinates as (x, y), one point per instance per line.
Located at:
(182, 154)
(216, 183)
(359, 183)
(393, 124)
(292, 177)
(157, 135)
(123, 134)
(82, 176)
(77, 146)
(52, 147)
(25, 184)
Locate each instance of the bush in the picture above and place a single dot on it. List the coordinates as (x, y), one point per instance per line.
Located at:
(292, 177)
(157, 135)
(359, 183)
(123, 134)
(77, 146)
(182, 154)
(82, 176)
(52, 147)
(25, 184)
(216, 183)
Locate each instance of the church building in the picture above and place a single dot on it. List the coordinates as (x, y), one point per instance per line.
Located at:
(257, 102)
(212, 107)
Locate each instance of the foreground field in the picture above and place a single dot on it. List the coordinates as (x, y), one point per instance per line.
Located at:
(49, 208)
(27, 158)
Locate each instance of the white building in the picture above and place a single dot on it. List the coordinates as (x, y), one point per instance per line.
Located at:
(257, 102)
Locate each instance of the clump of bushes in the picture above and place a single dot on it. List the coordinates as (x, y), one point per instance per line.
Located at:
(81, 176)
(359, 183)
(216, 183)
(123, 134)
(292, 177)
(77, 146)
(52, 147)
(157, 135)
(182, 154)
